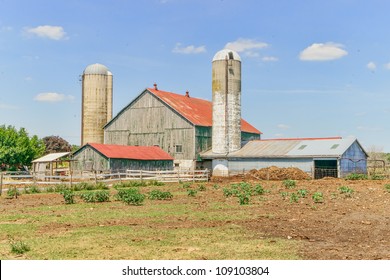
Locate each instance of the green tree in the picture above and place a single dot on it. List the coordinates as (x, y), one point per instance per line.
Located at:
(17, 149)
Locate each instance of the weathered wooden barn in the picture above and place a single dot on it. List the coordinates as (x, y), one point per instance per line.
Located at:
(179, 124)
(103, 157)
(320, 157)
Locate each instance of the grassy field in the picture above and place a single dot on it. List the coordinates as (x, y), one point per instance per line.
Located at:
(207, 225)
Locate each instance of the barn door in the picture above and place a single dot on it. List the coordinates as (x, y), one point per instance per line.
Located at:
(325, 168)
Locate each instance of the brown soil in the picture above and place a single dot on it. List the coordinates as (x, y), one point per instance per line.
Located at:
(341, 227)
(278, 173)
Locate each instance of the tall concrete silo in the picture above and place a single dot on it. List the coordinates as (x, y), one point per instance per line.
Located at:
(96, 102)
(226, 90)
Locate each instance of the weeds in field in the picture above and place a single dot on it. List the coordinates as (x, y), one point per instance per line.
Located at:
(160, 195)
(294, 197)
(13, 193)
(191, 192)
(68, 196)
(31, 189)
(130, 196)
(289, 184)
(377, 177)
(129, 184)
(302, 193)
(346, 191)
(243, 191)
(356, 176)
(259, 190)
(155, 183)
(318, 197)
(215, 187)
(243, 198)
(18, 247)
(185, 185)
(387, 187)
(201, 188)
(284, 194)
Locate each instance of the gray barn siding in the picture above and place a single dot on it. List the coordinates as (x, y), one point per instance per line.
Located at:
(148, 122)
(152, 165)
(354, 160)
(246, 164)
(88, 159)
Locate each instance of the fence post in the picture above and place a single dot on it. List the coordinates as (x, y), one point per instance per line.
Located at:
(120, 179)
(1, 184)
(141, 175)
(95, 177)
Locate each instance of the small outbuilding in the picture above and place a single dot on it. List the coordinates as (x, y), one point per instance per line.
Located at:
(319, 157)
(104, 157)
(51, 164)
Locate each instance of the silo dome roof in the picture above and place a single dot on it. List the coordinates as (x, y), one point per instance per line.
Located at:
(230, 54)
(96, 68)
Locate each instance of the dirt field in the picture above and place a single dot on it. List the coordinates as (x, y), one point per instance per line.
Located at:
(355, 226)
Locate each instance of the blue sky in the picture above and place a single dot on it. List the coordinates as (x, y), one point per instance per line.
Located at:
(309, 68)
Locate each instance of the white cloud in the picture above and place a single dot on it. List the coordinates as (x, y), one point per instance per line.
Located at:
(371, 66)
(48, 31)
(270, 58)
(323, 52)
(53, 97)
(387, 66)
(283, 126)
(188, 49)
(247, 47)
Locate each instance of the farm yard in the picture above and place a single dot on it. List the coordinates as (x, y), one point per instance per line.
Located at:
(235, 218)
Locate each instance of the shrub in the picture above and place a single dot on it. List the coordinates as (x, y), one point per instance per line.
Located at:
(68, 196)
(102, 196)
(356, 176)
(290, 184)
(243, 198)
(318, 197)
(130, 196)
(160, 195)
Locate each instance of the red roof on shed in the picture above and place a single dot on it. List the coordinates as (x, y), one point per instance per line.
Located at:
(131, 152)
(197, 111)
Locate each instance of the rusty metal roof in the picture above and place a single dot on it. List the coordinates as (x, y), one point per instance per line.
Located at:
(130, 152)
(195, 110)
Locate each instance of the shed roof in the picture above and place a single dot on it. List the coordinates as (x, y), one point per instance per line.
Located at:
(195, 110)
(129, 152)
(51, 157)
(292, 148)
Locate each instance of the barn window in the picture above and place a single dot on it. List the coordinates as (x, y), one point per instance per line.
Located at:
(179, 148)
(302, 147)
(335, 146)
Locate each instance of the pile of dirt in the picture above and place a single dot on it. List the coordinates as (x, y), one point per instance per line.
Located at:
(279, 173)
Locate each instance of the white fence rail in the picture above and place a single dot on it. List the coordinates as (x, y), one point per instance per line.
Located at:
(164, 176)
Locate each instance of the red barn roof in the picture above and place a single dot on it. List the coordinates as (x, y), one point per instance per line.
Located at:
(131, 152)
(195, 110)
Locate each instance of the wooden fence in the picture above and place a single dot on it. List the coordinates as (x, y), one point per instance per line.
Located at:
(18, 179)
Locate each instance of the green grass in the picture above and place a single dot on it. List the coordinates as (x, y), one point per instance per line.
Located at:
(181, 228)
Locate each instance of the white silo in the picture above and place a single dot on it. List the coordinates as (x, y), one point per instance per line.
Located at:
(226, 90)
(96, 102)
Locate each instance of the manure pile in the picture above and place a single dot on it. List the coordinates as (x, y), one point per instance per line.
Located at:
(279, 173)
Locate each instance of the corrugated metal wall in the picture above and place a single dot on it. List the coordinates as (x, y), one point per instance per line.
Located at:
(124, 164)
(239, 165)
(354, 160)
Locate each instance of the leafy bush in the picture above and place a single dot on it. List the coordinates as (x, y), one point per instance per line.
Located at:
(289, 184)
(259, 190)
(318, 197)
(68, 196)
(160, 195)
(130, 196)
(356, 176)
(243, 198)
(97, 196)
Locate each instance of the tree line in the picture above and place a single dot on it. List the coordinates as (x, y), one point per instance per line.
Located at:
(18, 149)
